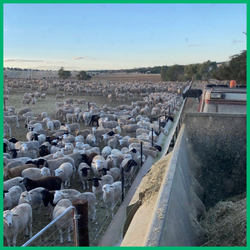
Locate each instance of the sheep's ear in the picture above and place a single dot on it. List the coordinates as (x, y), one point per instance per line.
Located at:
(90, 179)
(15, 214)
(21, 181)
(99, 179)
(5, 191)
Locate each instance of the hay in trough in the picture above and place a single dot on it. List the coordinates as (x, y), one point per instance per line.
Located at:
(225, 223)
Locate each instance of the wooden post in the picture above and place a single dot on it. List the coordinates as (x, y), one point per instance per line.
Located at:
(81, 223)
(88, 106)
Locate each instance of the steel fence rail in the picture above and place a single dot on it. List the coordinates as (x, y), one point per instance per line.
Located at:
(52, 223)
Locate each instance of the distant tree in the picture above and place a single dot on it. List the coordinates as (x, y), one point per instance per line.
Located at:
(235, 69)
(155, 70)
(82, 75)
(164, 70)
(238, 66)
(190, 70)
(63, 73)
(174, 71)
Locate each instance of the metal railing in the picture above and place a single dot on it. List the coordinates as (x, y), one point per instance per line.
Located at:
(76, 216)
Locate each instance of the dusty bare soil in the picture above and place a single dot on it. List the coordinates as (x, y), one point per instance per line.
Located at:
(128, 77)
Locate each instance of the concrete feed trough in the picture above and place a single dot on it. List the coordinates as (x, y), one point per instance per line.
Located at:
(208, 164)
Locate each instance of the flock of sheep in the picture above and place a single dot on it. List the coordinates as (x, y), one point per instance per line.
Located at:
(39, 172)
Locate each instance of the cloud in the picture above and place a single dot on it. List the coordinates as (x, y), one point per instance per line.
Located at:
(193, 45)
(78, 58)
(21, 60)
(25, 60)
(83, 58)
(236, 41)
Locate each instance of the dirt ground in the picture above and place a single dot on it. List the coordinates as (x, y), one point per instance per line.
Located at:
(128, 77)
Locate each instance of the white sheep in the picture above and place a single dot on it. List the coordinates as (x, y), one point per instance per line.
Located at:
(12, 119)
(111, 161)
(65, 172)
(72, 117)
(111, 193)
(93, 150)
(53, 164)
(114, 141)
(86, 117)
(66, 222)
(68, 148)
(13, 182)
(73, 127)
(91, 140)
(98, 183)
(36, 173)
(73, 194)
(11, 197)
(65, 194)
(106, 151)
(33, 198)
(80, 145)
(91, 198)
(114, 172)
(97, 164)
(79, 138)
(15, 221)
(119, 155)
(7, 129)
(30, 135)
(58, 153)
(30, 145)
(35, 127)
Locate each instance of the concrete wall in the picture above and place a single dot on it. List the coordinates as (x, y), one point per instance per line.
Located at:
(219, 141)
(208, 164)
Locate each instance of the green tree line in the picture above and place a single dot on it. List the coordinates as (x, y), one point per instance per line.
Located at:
(82, 75)
(235, 69)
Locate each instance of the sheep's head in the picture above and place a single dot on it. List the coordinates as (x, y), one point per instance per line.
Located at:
(106, 188)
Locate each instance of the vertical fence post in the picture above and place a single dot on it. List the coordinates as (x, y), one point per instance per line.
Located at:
(88, 106)
(152, 140)
(169, 110)
(123, 184)
(141, 150)
(159, 121)
(81, 223)
(165, 116)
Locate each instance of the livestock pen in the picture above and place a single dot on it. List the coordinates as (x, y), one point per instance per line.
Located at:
(47, 105)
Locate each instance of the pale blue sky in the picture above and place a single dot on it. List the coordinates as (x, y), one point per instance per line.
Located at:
(121, 36)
